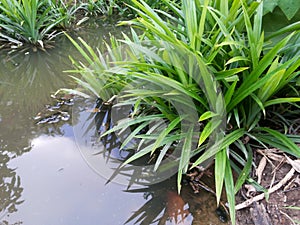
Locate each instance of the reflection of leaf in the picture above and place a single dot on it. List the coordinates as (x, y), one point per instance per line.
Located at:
(176, 207)
(148, 212)
(10, 186)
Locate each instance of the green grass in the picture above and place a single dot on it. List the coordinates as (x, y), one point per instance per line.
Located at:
(39, 21)
(208, 76)
(28, 20)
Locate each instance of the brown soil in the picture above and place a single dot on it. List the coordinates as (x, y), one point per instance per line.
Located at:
(272, 211)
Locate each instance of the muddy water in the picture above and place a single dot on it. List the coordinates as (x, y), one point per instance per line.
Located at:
(45, 178)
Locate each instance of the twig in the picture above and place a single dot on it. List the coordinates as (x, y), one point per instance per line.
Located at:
(288, 217)
(259, 197)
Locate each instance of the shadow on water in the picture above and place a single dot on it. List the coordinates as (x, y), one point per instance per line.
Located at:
(43, 177)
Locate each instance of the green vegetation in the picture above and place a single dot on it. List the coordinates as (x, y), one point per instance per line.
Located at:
(27, 20)
(201, 80)
(289, 8)
(39, 21)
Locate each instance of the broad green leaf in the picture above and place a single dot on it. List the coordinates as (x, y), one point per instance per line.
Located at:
(290, 7)
(236, 44)
(170, 83)
(86, 86)
(80, 49)
(237, 117)
(153, 16)
(269, 6)
(191, 21)
(251, 37)
(72, 91)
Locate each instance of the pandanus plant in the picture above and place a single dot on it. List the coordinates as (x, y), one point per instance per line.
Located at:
(28, 21)
(198, 82)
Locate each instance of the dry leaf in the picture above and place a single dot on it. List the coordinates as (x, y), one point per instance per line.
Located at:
(260, 169)
(294, 163)
(289, 185)
(297, 180)
(275, 156)
(272, 153)
(250, 190)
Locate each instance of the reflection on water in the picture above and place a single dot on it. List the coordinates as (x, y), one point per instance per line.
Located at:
(27, 79)
(162, 205)
(59, 188)
(43, 176)
(10, 186)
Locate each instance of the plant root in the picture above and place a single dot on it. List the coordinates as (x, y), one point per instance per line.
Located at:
(259, 197)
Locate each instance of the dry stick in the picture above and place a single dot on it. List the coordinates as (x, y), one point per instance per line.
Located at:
(248, 202)
(288, 217)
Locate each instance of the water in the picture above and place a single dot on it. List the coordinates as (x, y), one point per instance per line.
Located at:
(44, 175)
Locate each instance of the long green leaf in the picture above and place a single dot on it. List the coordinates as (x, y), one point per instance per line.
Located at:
(185, 157)
(245, 172)
(250, 84)
(220, 163)
(209, 128)
(287, 144)
(165, 132)
(219, 145)
(129, 122)
(229, 184)
(281, 100)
